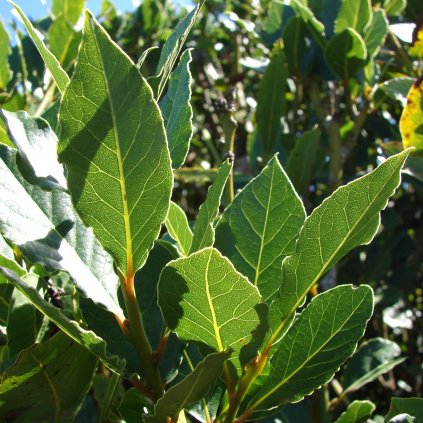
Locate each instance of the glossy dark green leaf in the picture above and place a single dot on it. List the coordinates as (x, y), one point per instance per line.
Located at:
(357, 412)
(411, 406)
(87, 339)
(177, 111)
(178, 228)
(5, 72)
(114, 146)
(260, 228)
(302, 159)
(70, 9)
(394, 7)
(204, 299)
(346, 52)
(271, 102)
(204, 233)
(371, 360)
(59, 75)
(191, 389)
(48, 382)
(354, 14)
(321, 339)
(348, 218)
(47, 230)
(376, 33)
(294, 41)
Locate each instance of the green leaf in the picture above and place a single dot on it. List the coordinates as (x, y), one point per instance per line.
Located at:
(60, 77)
(37, 145)
(47, 230)
(260, 228)
(411, 125)
(114, 146)
(171, 50)
(357, 412)
(348, 218)
(302, 159)
(294, 43)
(70, 9)
(204, 225)
(204, 299)
(271, 102)
(376, 33)
(191, 389)
(346, 53)
(87, 339)
(178, 228)
(411, 406)
(354, 14)
(313, 349)
(371, 360)
(398, 88)
(394, 7)
(45, 384)
(177, 111)
(5, 51)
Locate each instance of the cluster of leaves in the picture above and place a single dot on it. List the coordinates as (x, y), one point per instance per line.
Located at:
(233, 316)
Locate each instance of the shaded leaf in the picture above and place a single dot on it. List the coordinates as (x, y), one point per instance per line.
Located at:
(411, 406)
(5, 72)
(354, 14)
(59, 75)
(294, 42)
(70, 9)
(260, 227)
(394, 7)
(204, 299)
(114, 146)
(398, 88)
(177, 111)
(321, 339)
(357, 412)
(178, 228)
(191, 389)
(204, 225)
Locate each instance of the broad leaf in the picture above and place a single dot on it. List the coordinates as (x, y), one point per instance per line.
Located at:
(320, 340)
(114, 146)
(87, 339)
(45, 384)
(271, 103)
(70, 9)
(204, 299)
(348, 218)
(394, 7)
(354, 14)
(260, 228)
(191, 389)
(5, 72)
(171, 50)
(357, 412)
(204, 225)
(345, 53)
(178, 228)
(294, 41)
(411, 123)
(37, 145)
(411, 406)
(302, 159)
(371, 360)
(177, 111)
(376, 33)
(398, 88)
(60, 77)
(47, 230)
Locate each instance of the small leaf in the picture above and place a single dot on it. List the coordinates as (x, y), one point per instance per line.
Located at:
(354, 14)
(191, 389)
(316, 345)
(204, 299)
(371, 360)
(114, 147)
(411, 122)
(70, 9)
(357, 412)
(411, 406)
(271, 102)
(177, 111)
(348, 218)
(302, 159)
(376, 33)
(171, 50)
(5, 50)
(87, 339)
(178, 228)
(204, 225)
(37, 145)
(260, 228)
(45, 384)
(59, 75)
(346, 53)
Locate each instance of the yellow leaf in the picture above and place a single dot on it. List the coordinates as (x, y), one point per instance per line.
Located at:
(416, 49)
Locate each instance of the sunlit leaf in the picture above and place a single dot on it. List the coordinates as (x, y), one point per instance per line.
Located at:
(357, 412)
(5, 72)
(70, 9)
(354, 14)
(178, 228)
